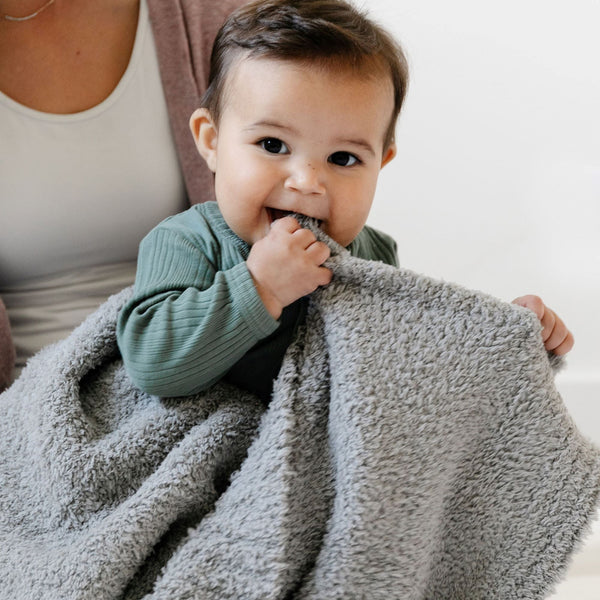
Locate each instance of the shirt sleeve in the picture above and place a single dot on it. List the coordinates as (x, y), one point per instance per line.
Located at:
(372, 244)
(188, 321)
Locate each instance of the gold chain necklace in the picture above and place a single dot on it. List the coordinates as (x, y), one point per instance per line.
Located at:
(31, 16)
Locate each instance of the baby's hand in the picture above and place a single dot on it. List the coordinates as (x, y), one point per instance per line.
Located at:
(557, 338)
(286, 264)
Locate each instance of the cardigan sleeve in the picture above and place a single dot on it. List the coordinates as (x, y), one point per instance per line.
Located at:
(7, 349)
(184, 31)
(189, 321)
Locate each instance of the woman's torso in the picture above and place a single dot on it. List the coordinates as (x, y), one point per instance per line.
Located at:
(79, 190)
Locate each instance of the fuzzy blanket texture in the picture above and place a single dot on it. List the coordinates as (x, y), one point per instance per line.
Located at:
(415, 448)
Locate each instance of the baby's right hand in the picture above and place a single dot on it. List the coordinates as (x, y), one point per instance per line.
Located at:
(286, 264)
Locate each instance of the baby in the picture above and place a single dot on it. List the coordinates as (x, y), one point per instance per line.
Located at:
(299, 117)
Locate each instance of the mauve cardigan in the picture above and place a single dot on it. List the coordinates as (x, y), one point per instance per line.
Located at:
(184, 31)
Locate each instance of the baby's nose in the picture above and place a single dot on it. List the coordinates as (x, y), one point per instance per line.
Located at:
(306, 178)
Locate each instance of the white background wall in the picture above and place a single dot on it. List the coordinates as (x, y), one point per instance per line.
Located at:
(497, 180)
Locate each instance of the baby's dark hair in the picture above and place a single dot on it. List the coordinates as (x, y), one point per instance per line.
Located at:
(332, 33)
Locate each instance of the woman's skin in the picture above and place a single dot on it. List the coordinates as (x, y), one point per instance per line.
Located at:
(68, 58)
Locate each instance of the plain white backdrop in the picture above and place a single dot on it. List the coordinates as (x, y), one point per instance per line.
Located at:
(497, 180)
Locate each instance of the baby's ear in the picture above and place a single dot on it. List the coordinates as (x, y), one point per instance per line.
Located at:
(204, 131)
(389, 154)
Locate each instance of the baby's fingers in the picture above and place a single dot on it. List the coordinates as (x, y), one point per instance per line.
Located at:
(531, 302)
(557, 338)
(560, 340)
(325, 276)
(548, 320)
(318, 252)
(566, 346)
(535, 304)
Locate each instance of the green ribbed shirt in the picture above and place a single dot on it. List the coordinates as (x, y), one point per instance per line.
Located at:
(195, 316)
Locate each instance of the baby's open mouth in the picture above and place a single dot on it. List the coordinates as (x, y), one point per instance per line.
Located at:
(276, 213)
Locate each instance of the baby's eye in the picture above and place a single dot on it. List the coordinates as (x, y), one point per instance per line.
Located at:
(343, 159)
(274, 146)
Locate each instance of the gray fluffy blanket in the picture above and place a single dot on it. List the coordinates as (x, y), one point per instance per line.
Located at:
(415, 448)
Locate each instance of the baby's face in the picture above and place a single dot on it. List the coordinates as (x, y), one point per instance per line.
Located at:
(293, 138)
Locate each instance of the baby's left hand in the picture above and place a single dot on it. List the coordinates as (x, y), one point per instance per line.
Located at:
(557, 338)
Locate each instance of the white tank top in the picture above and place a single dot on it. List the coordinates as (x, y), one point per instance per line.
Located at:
(77, 194)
